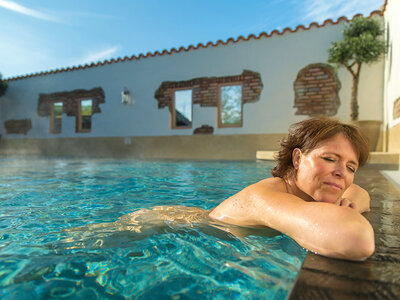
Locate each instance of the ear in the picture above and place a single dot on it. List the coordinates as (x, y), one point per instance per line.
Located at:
(296, 158)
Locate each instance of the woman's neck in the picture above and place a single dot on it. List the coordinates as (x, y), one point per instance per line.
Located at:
(293, 189)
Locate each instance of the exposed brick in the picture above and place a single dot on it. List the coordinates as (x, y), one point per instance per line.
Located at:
(18, 126)
(316, 90)
(204, 129)
(70, 101)
(311, 69)
(208, 88)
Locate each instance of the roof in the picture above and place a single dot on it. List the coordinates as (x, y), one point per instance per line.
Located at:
(199, 46)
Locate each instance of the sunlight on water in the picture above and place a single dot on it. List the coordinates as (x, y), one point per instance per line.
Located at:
(62, 235)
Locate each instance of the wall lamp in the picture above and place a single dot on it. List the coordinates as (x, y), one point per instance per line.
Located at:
(126, 97)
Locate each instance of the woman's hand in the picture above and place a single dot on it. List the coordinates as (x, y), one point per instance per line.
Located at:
(346, 203)
(358, 197)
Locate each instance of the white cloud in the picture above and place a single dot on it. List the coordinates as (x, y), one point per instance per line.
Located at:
(15, 7)
(100, 55)
(320, 10)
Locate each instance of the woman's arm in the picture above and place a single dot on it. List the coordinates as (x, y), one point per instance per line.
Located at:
(327, 229)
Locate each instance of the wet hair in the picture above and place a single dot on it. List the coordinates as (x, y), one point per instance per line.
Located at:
(306, 134)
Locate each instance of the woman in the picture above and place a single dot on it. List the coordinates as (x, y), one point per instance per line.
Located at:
(312, 197)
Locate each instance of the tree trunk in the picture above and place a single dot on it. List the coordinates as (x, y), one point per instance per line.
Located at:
(354, 103)
(354, 94)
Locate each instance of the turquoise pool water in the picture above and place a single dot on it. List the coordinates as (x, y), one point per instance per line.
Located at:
(51, 243)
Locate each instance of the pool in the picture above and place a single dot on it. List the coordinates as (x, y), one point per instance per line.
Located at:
(59, 236)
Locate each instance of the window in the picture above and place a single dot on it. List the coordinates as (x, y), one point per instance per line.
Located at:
(182, 109)
(84, 117)
(230, 106)
(56, 117)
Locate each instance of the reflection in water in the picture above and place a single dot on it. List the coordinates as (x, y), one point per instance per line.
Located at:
(183, 108)
(385, 219)
(231, 105)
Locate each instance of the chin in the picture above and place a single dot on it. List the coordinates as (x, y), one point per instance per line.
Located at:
(329, 199)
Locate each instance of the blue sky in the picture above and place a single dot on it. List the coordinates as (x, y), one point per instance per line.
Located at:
(43, 35)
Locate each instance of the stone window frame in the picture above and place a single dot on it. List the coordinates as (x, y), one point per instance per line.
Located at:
(78, 117)
(219, 121)
(172, 108)
(52, 129)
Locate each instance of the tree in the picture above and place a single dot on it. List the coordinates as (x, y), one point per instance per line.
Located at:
(361, 44)
(3, 86)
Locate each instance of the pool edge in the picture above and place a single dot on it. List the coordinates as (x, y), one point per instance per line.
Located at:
(325, 278)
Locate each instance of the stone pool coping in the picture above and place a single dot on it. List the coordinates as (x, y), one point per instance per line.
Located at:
(376, 278)
(378, 160)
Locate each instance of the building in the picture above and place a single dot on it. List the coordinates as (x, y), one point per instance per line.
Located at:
(216, 101)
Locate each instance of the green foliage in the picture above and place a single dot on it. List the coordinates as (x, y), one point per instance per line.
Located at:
(360, 44)
(58, 109)
(3, 86)
(86, 107)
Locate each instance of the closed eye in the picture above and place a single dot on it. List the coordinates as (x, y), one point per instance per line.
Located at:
(352, 169)
(328, 159)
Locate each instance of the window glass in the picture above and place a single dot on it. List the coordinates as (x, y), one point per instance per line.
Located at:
(86, 115)
(183, 108)
(231, 105)
(57, 117)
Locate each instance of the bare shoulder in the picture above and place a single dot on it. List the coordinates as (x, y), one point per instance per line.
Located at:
(242, 208)
(275, 184)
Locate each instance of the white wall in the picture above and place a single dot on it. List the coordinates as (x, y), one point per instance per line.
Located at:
(278, 59)
(392, 62)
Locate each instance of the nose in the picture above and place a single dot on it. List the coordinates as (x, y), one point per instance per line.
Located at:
(339, 171)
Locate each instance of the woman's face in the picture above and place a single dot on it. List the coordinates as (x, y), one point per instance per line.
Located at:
(327, 171)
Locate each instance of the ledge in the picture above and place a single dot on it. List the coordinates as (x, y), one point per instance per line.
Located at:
(380, 160)
(265, 155)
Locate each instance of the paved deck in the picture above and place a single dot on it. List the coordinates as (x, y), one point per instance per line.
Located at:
(376, 278)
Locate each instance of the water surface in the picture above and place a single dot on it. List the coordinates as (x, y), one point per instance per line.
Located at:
(59, 238)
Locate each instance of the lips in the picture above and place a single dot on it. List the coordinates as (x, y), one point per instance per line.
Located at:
(334, 185)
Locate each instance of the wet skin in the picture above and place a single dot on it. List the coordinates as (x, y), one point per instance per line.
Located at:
(319, 206)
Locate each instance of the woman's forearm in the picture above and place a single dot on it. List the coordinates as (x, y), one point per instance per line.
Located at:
(325, 228)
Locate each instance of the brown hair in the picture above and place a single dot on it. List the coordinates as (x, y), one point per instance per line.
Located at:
(305, 135)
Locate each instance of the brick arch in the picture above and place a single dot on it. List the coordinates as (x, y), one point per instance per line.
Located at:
(316, 90)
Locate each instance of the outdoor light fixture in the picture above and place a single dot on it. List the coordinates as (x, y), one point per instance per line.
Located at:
(126, 97)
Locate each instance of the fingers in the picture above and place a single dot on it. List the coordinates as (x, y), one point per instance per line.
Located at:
(347, 203)
(353, 206)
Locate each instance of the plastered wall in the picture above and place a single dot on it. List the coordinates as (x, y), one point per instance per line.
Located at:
(392, 75)
(278, 59)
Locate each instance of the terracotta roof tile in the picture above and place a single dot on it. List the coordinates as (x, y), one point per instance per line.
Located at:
(200, 45)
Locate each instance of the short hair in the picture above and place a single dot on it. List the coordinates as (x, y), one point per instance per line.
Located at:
(306, 134)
